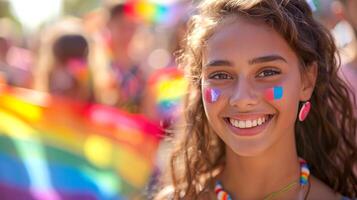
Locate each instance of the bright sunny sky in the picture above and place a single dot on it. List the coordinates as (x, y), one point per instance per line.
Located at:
(33, 13)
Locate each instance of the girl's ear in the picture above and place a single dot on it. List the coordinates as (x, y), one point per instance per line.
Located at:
(309, 77)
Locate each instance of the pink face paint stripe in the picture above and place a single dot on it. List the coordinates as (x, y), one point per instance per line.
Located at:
(269, 94)
(207, 94)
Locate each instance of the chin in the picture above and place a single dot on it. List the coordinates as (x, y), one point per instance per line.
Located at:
(249, 150)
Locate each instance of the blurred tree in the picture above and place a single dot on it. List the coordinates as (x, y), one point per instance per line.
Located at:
(5, 12)
(4, 8)
(79, 7)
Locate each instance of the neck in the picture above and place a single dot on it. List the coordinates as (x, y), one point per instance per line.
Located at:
(257, 176)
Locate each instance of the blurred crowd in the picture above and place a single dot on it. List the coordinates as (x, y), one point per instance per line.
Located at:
(119, 56)
(108, 56)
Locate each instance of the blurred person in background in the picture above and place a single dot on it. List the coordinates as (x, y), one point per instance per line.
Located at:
(118, 79)
(329, 13)
(166, 85)
(349, 70)
(63, 67)
(69, 75)
(339, 16)
(325, 11)
(4, 48)
(10, 74)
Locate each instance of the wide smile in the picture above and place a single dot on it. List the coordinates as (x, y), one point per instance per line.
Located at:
(249, 126)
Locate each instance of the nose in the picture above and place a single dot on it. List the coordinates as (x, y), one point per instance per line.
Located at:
(243, 95)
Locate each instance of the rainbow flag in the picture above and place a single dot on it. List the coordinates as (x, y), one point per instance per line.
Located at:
(147, 11)
(53, 149)
(169, 86)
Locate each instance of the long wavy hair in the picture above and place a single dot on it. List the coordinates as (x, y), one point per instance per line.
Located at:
(326, 138)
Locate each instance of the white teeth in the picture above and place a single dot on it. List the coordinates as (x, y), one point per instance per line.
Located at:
(255, 123)
(236, 123)
(259, 121)
(241, 124)
(248, 123)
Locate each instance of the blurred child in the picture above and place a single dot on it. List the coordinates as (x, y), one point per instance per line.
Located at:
(69, 75)
(63, 67)
(166, 86)
(119, 80)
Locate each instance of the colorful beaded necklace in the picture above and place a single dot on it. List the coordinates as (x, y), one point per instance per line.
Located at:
(304, 177)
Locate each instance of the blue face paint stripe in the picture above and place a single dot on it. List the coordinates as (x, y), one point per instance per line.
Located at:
(215, 94)
(278, 92)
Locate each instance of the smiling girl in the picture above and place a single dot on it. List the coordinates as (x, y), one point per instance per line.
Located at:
(267, 116)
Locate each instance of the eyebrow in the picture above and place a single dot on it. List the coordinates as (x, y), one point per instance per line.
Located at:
(262, 59)
(268, 58)
(218, 63)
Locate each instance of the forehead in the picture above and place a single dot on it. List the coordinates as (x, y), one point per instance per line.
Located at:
(243, 38)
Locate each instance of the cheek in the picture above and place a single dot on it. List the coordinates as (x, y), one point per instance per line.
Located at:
(284, 99)
(212, 102)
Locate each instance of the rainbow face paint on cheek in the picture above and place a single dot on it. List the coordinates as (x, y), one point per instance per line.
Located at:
(212, 95)
(274, 93)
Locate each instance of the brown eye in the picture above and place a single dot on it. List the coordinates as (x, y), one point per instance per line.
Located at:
(220, 75)
(269, 72)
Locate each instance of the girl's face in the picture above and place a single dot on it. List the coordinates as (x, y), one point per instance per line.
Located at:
(251, 87)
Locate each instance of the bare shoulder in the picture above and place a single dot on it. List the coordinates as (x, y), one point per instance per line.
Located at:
(320, 190)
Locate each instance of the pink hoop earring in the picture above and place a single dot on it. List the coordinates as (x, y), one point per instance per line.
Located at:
(304, 111)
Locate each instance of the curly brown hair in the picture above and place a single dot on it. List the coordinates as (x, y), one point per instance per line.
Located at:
(326, 138)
